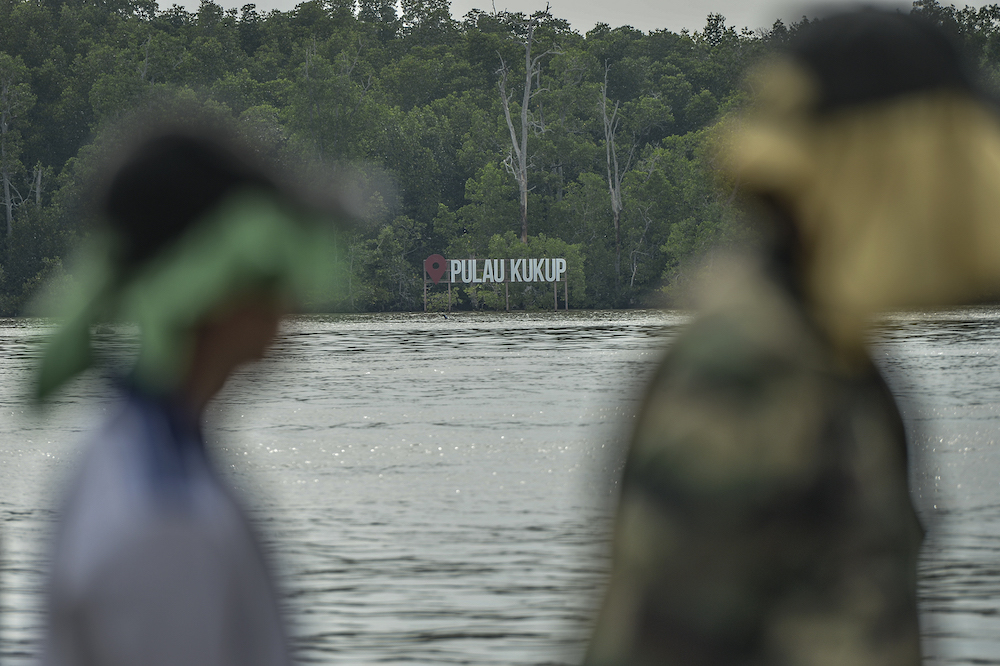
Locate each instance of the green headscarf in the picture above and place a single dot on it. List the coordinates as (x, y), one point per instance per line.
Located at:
(251, 240)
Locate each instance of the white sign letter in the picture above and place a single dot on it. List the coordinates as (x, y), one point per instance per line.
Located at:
(550, 270)
(456, 269)
(515, 270)
(537, 275)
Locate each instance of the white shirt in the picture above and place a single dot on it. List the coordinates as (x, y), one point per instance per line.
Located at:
(154, 562)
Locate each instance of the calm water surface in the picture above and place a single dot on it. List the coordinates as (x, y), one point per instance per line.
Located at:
(438, 490)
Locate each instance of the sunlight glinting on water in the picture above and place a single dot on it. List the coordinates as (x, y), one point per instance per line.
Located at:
(439, 490)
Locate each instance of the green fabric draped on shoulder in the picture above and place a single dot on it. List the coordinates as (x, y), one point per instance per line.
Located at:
(251, 241)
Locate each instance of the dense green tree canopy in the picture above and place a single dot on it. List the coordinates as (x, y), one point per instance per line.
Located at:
(615, 133)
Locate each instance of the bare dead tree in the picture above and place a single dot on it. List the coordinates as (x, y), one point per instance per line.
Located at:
(616, 173)
(517, 161)
(637, 250)
(311, 101)
(5, 167)
(145, 60)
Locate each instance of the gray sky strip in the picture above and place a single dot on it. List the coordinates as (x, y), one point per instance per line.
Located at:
(646, 15)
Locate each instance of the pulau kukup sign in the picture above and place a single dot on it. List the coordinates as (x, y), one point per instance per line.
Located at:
(480, 271)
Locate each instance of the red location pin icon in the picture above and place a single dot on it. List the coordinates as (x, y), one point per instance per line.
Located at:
(434, 265)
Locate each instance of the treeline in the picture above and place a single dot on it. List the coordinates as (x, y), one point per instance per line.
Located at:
(504, 134)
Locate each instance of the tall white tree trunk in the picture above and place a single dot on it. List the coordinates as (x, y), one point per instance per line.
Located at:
(616, 174)
(4, 166)
(517, 162)
(611, 122)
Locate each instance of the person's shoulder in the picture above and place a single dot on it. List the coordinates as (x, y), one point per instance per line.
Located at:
(749, 330)
(109, 456)
(101, 505)
(738, 400)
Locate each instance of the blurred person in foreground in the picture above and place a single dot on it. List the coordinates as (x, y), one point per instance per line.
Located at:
(154, 561)
(765, 516)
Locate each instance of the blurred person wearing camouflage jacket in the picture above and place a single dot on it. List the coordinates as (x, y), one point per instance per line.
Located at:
(765, 516)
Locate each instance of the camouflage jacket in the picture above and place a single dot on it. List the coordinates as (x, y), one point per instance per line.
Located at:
(765, 515)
